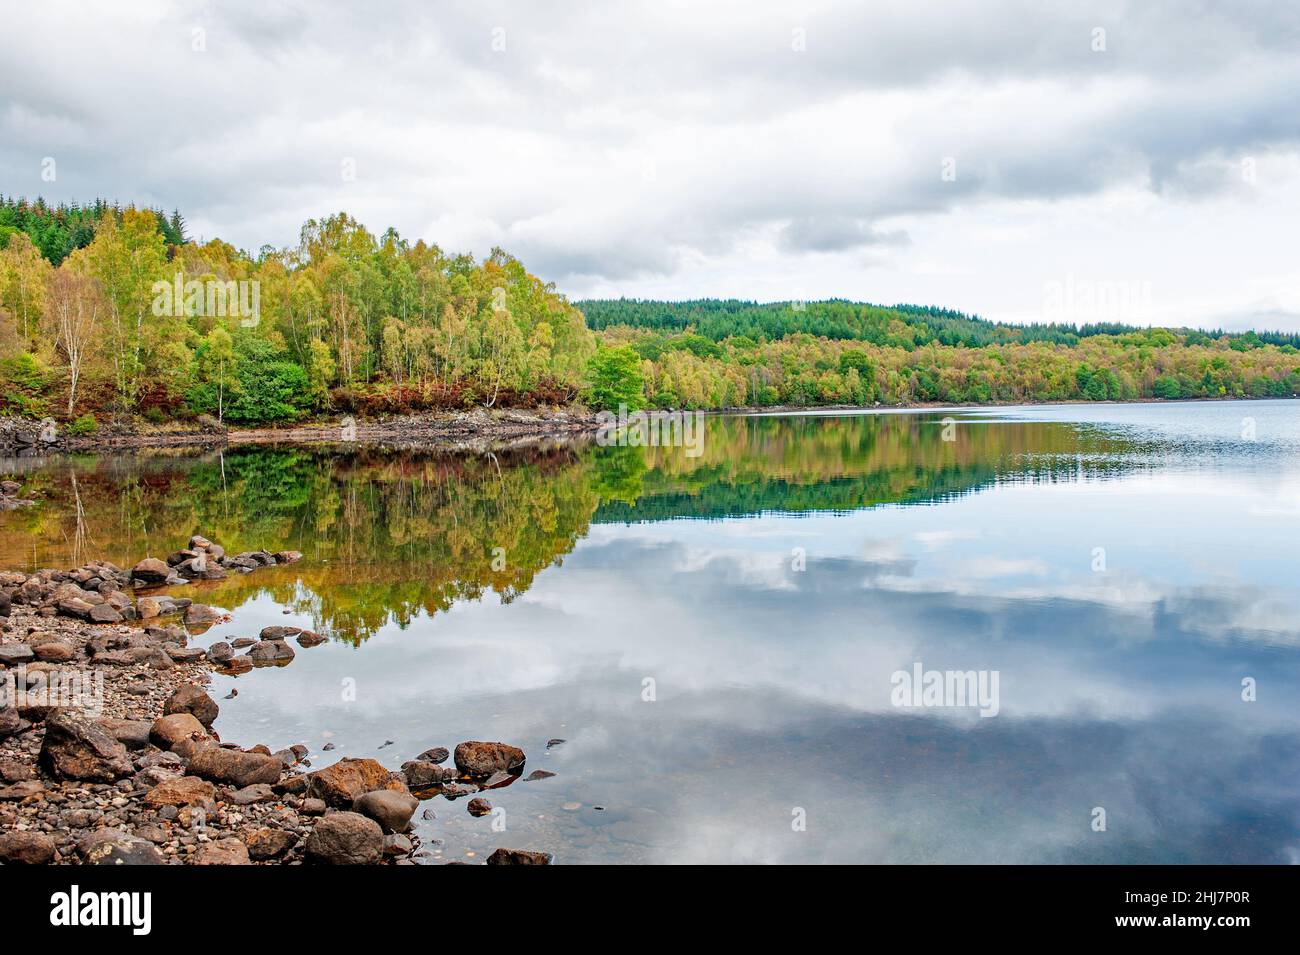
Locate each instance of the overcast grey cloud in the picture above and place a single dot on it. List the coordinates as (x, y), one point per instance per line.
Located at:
(960, 154)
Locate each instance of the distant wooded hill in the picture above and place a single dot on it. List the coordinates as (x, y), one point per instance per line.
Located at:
(902, 326)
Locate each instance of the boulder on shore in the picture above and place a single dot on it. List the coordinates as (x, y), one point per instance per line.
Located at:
(223, 852)
(26, 848)
(169, 732)
(11, 721)
(279, 633)
(16, 654)
(474, 758)
(77, 747)
(234, 766)
(114, 847)
(221, 652)
(346, 838)
(201, 615)
(133, 734)
(270, 653)
(348, 780)
(424, 775)
(151, 570)
(392, 810)
(191, 699)
(268, 843)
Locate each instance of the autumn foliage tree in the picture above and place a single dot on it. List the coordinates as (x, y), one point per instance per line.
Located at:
(115, 311)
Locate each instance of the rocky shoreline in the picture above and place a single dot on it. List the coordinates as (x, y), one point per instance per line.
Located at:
(108, 754)
(476, 430)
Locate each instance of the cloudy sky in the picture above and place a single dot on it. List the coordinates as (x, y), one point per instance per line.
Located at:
(1023, 160)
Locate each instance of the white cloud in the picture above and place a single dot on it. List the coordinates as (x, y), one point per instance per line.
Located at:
(671, 149)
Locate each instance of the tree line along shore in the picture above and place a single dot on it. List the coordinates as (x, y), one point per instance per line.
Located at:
(111, 314)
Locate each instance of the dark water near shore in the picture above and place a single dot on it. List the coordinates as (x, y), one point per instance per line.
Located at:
(1121, 568)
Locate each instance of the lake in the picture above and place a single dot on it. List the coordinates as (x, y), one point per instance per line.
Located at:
(737, 646)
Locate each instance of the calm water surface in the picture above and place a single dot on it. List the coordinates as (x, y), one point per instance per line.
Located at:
(1122, 568)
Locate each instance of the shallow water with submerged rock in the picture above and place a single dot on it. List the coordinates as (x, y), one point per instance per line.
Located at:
(710, 644)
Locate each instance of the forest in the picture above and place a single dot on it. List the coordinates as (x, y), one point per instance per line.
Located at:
(134, 322)
(111, 312)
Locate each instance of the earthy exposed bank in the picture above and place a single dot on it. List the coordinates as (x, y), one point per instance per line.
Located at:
(108, 755)
(475, 430)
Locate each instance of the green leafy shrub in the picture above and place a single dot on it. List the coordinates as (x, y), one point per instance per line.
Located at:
(23, 380)
(614, 379)
(83, 426)
(1167, 387)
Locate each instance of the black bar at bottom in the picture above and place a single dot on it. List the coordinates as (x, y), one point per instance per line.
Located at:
(305, 901)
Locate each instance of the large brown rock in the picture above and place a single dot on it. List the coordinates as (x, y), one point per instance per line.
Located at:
(11, 721)
(16, 654)
(237, 665)
(76, 607)
(114, 847)
(220, 652)
(235, 767)
(249, 795)
(151, 570)
(133, 734)
(54, 651)
(483, 759)
(270, 653)
(104, 613)
(346, 838)
(424, 775)
(40, 637)
(112, 658)
(392, 810)
(168, 732)
(26, 848)
(148, 607)
(201, 615)
(223, 852)
(268, 843)
(77, 747)
(279, 633)
(191, 699)
(349, 779)
(201, 568)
